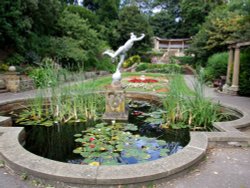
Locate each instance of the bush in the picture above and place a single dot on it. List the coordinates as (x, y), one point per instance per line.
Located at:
(132, 60)
(15, 59)
(105, 65)
(244, 80)
(47, 75)
(185, 60)
(217, 66)
(160, 68)
(3, 67)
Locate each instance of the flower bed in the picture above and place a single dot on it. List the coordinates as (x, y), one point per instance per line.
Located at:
(146, 80)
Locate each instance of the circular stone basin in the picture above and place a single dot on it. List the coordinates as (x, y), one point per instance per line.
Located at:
(12, 138)
(145, 141)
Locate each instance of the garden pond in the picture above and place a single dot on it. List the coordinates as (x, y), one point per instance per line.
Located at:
(96, 143)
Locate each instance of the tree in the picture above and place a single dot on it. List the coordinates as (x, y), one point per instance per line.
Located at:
(164, 25)
(15, 23)
(223, 24)
(78, 38)
(132, 20)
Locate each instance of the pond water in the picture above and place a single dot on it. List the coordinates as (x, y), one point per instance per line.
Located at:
(145, 143)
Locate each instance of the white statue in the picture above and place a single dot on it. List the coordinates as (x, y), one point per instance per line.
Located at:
(122, 53)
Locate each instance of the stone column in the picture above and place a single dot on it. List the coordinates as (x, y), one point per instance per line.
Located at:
(229, 65)
(12, 81)
(156, 44)
(235, 83)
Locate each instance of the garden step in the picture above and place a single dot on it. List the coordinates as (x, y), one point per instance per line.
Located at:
(3, 90)
(2, 84)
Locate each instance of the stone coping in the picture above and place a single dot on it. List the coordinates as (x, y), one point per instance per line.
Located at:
(21, 160)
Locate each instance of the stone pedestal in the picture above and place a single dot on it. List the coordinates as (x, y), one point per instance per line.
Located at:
(115, 103)
(12, 81)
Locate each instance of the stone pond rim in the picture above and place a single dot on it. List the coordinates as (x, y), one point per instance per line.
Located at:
(21, 160)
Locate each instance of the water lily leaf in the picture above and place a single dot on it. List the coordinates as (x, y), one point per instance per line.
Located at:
(154, 120)
(130, 127)
(161, 142)
(79, 140)
(163, 152)
(110, 162)
(77, 135)
(77, 150)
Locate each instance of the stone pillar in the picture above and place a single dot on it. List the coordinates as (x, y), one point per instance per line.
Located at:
(12, 80)
(229, 65)
(156, 44)
(235, 82)
(115, 103)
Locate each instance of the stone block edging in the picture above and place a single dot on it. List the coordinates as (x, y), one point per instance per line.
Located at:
(21, 160)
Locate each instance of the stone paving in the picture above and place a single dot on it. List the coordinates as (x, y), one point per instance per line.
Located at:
(223, 167)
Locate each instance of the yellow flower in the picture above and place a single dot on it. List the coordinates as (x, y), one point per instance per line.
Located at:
(94, 164)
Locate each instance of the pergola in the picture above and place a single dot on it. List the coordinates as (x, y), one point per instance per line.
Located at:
(234, 62)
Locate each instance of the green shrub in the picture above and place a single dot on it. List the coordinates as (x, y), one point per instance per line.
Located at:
(3, 67)
(217, 66)
(15, 59)
(132, 60)
(106, 65)
(46, 75)
(185, 60)
(159, 68)
(244, 80)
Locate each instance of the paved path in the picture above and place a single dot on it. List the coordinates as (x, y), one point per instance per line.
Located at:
(223, 167)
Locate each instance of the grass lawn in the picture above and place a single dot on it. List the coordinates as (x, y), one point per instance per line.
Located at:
(160, 87)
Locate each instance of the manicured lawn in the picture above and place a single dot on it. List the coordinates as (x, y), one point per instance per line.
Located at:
(161, 86)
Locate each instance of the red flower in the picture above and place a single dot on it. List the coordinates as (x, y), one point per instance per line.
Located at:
(137, 113)
(91, 139)
(135, 80)
(92, 145)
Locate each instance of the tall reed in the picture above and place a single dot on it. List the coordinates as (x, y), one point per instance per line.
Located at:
(196, 112)
(64, 103)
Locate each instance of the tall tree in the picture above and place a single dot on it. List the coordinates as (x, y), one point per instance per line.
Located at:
(223, 24)
(132, 20)
(15, 22)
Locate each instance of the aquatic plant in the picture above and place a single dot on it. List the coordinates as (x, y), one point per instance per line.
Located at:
(196, 112)
(114, 144)
(62, 104)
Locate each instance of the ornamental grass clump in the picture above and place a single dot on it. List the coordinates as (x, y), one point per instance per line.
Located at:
(63, 104)
(195, 112)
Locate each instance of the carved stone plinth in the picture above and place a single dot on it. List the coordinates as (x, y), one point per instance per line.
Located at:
(12, 80)
(115, 103)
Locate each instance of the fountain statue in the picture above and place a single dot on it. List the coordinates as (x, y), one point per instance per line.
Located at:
(122, 53)
(115, 96)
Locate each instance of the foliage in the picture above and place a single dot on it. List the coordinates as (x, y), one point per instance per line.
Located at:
(132, 60)
(196, 111)
(72, 103)
(244, 80)
(4, 67)
(185, 60)
(15, 24)
(113, 144)
(85, 14)
(132, 20)
(14, 59)
(164, 25)
(80, 36)
(160, 68)
(217, 66)
(62, 108)
(222, 25)
(45, 76)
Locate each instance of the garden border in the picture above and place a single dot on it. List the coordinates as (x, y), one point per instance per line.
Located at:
(21, 160)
